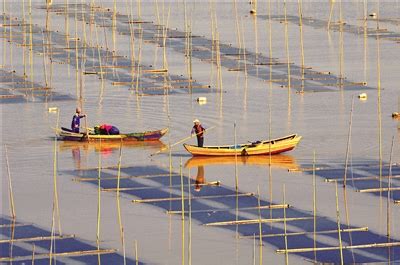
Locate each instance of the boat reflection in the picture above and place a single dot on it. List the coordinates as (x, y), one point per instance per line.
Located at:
(279, 161)
(105, 148)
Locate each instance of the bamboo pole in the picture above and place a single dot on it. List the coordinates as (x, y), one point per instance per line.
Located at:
(44, 62)
(341, 46)
(10, 189)
(344, 230)
(379, 189)
(255, 221)
(77, 79)
(121, 228)
(348, 142)
(30, 41)
(33, 254)
(362, 178)
(212, 183)
(236, 168)
(285, 226)
(115, 177)
(60, 254)
(136, 253)
(100, 64)
(4, 33)
(180, 141)
(192, 198)
(338, 225)
(37, 238)
(183, 212)
(314, 184)
(378, 62)
(190, 220)
(264, 207)
(98, 207)
(332, 3)
(259, 225)
(300, 8)
(388, 214)
(55, 188)
(287, 47)
(372, 245)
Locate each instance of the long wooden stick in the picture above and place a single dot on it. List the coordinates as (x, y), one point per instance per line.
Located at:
(362, 178)
(285, 226)
(61, 254)
(388, 213)
(348, 142)
(361, 229)
(212, 183)
(121, 228)
(373, 245)
(181, 141)
(37, 238)
(274, 206)
(10, 189)
(380, 189)
(116, 177)
(338, 225)
(192, 198)
(255, 221)
(98, 208)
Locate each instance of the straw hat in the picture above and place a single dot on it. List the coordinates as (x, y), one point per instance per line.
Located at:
(196, 121)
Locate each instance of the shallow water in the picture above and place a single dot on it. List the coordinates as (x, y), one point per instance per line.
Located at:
(260, 109)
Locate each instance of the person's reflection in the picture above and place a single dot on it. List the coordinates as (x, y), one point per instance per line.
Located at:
(76, 156)
(200, 179)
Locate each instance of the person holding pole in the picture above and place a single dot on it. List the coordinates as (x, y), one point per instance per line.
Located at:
(75, 124)
(198, 130)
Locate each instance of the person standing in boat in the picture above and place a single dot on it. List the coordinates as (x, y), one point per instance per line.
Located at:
(198, 130)
(76, 120)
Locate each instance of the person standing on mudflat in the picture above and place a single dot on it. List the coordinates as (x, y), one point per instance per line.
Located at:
(198, 130)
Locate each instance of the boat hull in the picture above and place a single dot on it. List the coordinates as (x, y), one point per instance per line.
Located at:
(142, 136)
(275, 146)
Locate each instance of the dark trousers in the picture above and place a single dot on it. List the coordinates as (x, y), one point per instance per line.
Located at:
(200, 141)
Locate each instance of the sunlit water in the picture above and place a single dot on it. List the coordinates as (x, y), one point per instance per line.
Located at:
(259, 109)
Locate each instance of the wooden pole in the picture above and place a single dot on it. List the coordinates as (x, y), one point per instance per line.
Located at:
(181, 141)
(388, 211)
(284, 226)
(348, 142)
(59, 254)
(190, 220)
(98, 207)
(10, 189)
(255, 221)
(338, 225)
(121, 228)
(192, 198)
(301, 44)
(33, 254)
(136, 253)
(365, 246)
(183, 213)
(264, 207)
(37, 238)
(332, 3)
(360, 229)
(314, 208)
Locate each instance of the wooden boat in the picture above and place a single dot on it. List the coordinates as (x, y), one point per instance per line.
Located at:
(274, 146)
(278, 161)
(67, 135)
